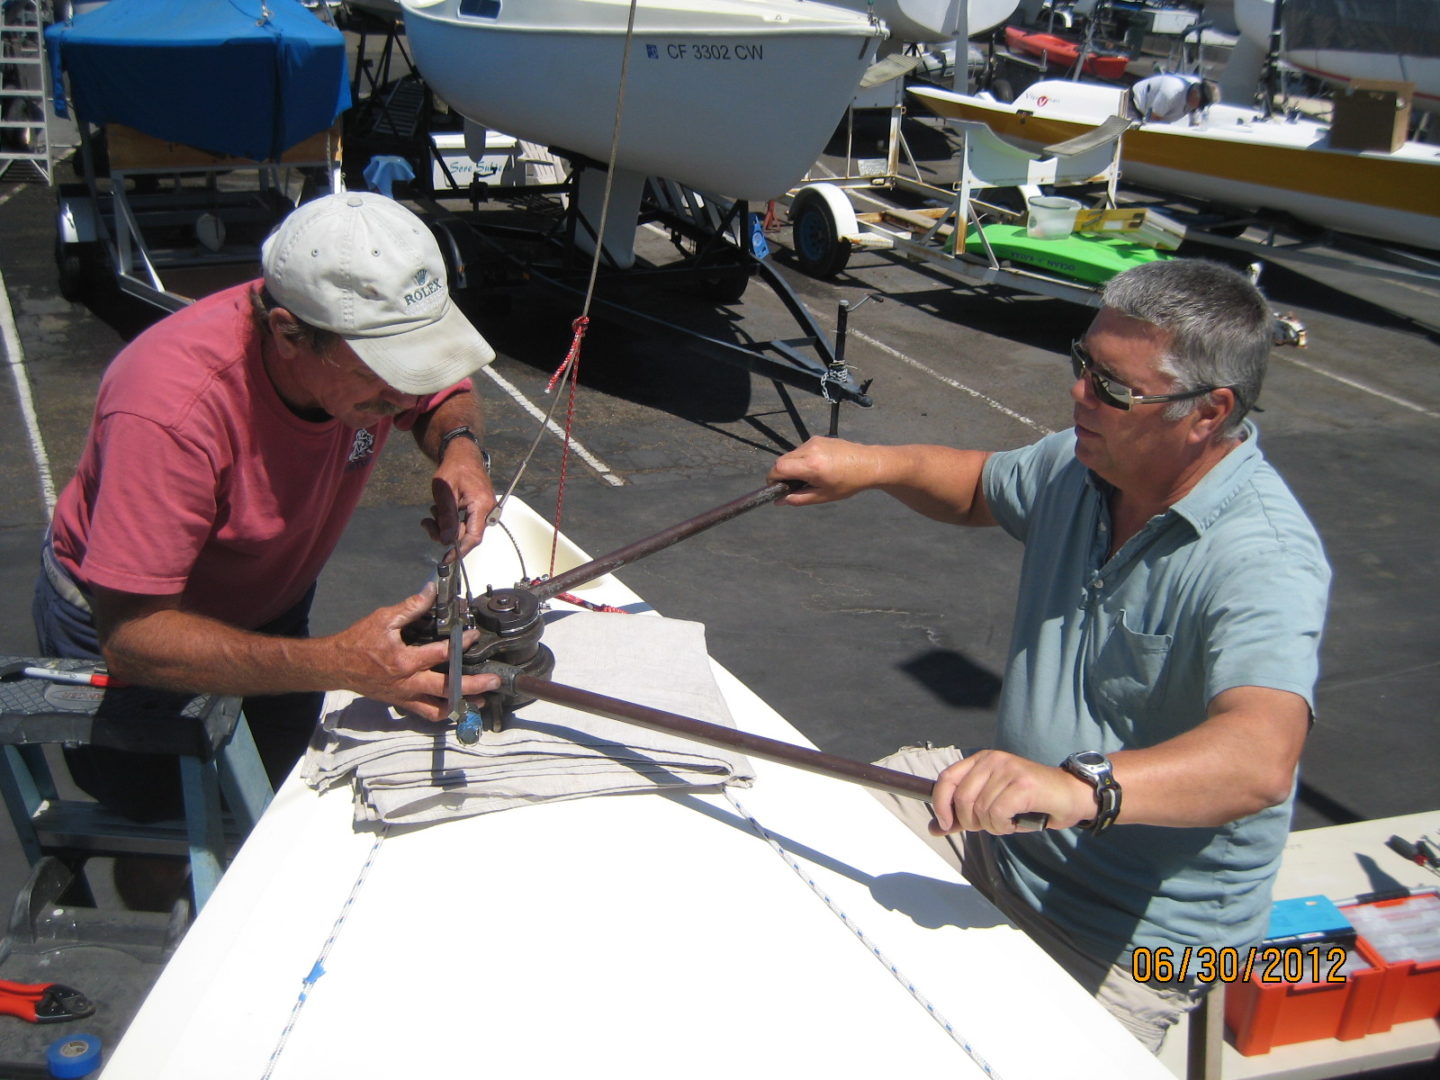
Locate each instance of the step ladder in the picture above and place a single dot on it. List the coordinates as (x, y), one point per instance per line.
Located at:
(25, 151)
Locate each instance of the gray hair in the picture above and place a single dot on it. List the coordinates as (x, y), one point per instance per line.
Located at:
(1218, 321)
(315, 339)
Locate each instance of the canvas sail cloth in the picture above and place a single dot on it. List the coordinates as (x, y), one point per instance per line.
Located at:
(413, 771)
(248, 78)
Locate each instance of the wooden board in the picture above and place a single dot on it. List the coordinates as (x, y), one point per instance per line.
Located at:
(131, 149)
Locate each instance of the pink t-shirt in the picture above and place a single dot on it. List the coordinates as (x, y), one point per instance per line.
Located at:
(197, 480)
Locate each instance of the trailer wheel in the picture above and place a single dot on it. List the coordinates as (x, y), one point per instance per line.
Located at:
(724, 279)
(456, 270)
(25, 115)
(819, 248)
(75, 269)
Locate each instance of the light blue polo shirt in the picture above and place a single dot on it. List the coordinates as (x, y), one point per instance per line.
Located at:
(1226, 588)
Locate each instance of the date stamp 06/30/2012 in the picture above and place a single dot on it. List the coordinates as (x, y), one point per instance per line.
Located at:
(1313, 963)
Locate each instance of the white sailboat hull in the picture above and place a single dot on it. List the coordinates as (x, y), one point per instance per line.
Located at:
(1235, 158)
(933, 20)
(1341, 67)
(737, 97)
(631, 935)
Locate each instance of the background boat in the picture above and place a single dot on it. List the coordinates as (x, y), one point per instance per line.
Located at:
(237, 77)
(911, 20)
(735, 97)
(1339, 41)
(1236, 158)
(1059, 52)
(934, 20)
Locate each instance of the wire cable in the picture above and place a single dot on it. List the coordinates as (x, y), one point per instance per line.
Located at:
(567, 372)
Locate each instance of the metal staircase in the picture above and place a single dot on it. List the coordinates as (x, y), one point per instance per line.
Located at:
(25, 151)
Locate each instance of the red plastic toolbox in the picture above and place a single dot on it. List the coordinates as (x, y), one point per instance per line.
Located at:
(1404, 934)
(1294, 1008)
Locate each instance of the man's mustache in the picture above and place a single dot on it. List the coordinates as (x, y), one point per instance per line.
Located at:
(378, 408)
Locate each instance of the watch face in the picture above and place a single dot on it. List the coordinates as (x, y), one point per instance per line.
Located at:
(1089, 758)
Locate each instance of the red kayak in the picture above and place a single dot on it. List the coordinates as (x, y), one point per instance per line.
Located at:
(1058, 52)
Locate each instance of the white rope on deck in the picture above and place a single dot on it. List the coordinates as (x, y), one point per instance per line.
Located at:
(874, 950)
(317, 969)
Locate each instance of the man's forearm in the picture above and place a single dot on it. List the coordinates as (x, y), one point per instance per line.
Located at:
(938, 481)
(150, 641)
(459, 410)
(1241, 760)
(179, 650)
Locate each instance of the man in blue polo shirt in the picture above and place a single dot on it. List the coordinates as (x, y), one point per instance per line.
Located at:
(1161, 673)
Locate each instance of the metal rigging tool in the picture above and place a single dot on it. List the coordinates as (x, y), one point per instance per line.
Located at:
(510, 625)
(508, 621)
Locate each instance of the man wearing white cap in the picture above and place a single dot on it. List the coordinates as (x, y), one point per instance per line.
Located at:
(229, 447)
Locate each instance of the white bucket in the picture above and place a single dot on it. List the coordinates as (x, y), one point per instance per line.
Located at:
(1051, 217)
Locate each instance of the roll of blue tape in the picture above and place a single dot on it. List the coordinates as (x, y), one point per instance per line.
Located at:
(73, 1056)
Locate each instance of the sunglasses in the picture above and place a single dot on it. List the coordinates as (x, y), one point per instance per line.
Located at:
(1114, 394)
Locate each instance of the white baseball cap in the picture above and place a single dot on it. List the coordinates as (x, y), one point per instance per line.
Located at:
(364, 267)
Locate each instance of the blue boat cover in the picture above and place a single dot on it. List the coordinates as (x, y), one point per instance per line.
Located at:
(249, 78)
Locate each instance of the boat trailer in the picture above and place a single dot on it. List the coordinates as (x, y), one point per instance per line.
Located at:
(947, 231)
(965, 233)
(720, 247)
(146, 209)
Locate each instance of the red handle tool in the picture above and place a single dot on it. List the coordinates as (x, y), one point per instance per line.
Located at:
(43, 1003)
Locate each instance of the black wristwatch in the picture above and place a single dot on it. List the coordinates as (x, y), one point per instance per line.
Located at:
(1094, 768)
(463, 432)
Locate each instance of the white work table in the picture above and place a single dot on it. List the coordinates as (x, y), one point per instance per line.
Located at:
(637, 933)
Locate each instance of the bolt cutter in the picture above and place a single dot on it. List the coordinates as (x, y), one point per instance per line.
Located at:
(43, 1003)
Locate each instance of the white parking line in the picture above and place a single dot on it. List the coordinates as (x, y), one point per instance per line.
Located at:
(15, 360)
(534, 410)
(1318, 370)
(948, 381)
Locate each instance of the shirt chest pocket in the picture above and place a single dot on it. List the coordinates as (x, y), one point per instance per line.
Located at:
(1128, 672)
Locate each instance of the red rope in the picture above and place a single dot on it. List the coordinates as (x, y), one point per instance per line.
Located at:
(580, 601)
(572, 358)
(570, 368)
